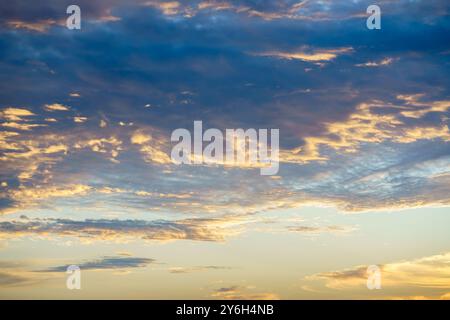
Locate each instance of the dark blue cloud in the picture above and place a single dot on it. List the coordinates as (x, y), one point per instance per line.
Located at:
(214, 66)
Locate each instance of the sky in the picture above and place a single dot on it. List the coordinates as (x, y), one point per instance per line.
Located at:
(87, 179)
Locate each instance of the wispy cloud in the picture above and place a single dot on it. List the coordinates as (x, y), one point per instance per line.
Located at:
(368, 125)
(12, 279)
(119, 230)
(107, 263)
(333, 229)
(196, 269)
(56, 107)
(424, 274)
(242, 293)
(37, 26)
(315, 56)
(371, 64)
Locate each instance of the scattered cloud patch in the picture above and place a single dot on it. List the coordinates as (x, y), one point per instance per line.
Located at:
(107, 263)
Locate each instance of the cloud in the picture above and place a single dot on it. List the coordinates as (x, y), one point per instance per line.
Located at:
(12, 274)
(31, 197)
(445, 296)
(242, 293)
(38, 26)
(166, 7)
(140, 138)
(155, 148)
(107, 145)
(371, 64)
(358, 274)
(341, 144)
(107, 263)
(11, 279)
(214, 5)
(420, 275)
(368, 125)
(18, 118)
(266, 10)
(56, 107)
(319, 229)
(313, 56)
(79, 119)
(120, 230)
(25, 155)
(15, 114)
(416, 109)
(52, 13)
(49, 14)
(21, 126)
(196, 269)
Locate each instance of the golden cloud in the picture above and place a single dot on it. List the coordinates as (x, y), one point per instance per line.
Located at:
(15, 114)
(56, 107)
(419, 275)
(154, 146)
(365, 125)
(92, 230)
(383, 62)
(314, 56)
(38, 26)
(168, 8)
(242, 293)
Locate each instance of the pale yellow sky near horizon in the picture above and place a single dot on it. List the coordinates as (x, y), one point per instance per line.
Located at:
(262, 261)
